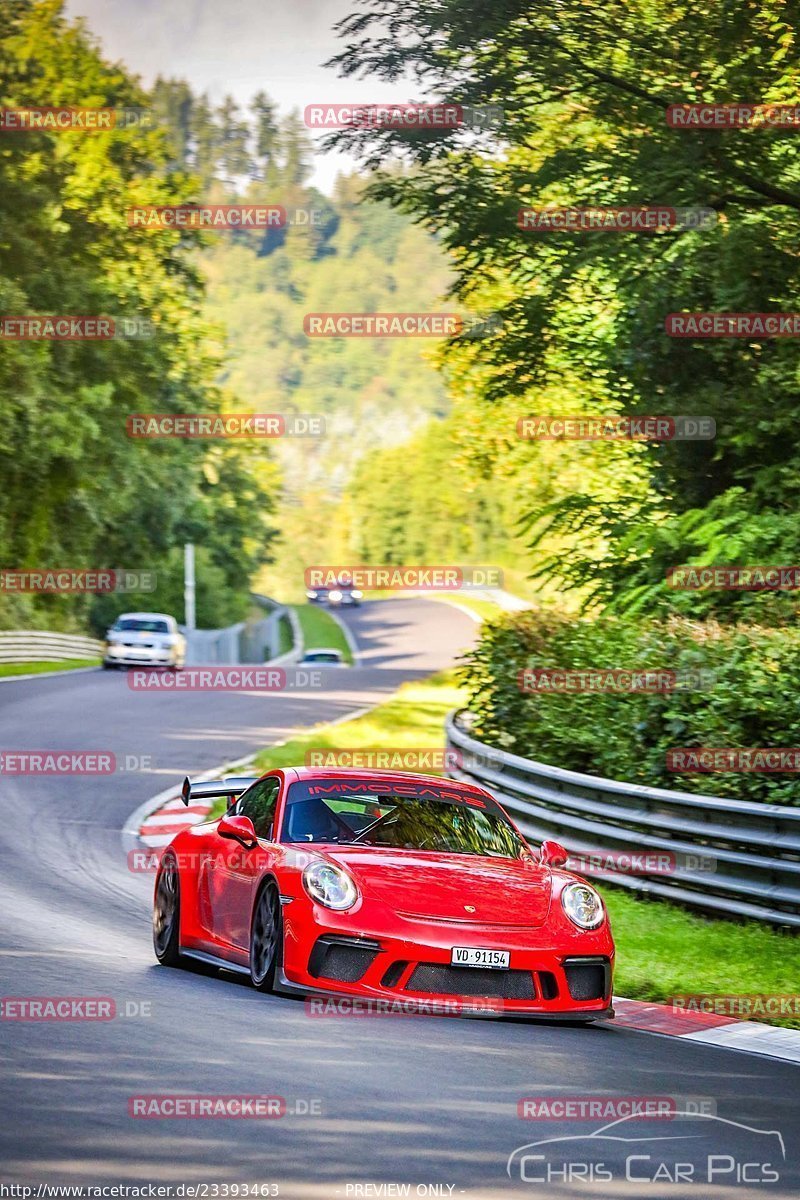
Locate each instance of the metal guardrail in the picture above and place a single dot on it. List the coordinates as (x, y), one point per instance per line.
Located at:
(732, 857)
(218, 646)
(246, 642)
(26, 645)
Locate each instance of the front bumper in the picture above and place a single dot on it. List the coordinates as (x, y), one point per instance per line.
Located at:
(131, 656)
(406, 962)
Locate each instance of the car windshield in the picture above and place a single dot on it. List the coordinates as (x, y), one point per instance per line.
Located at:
(411, 816)
(141, 625)
(322, 656)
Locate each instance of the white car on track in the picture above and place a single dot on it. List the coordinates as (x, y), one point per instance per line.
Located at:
(322, 656)
(145, 639)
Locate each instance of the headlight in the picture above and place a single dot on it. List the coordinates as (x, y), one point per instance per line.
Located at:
(334, 595)
(582, 905)
(329, 885)
(356, 594)
(311, 595)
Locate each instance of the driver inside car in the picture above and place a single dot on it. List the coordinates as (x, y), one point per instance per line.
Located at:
(312, 821)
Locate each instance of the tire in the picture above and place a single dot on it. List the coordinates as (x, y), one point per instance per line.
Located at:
(266, 939)
(109, 666)
(166, 913)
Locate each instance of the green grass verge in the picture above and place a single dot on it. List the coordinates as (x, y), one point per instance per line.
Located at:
(285, 637)
(663, 950)
(38, 668)
(413, 718)
(321, 631)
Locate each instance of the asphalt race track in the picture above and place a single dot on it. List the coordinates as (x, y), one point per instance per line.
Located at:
(371, 1102)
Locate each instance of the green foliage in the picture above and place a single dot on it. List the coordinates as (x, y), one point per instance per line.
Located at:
(751, 699)
(77, 491)
(373, 393)
(217, 602)
(346, 255)
(664, 951)
(584, 89)
(455, 490)
(643, 542)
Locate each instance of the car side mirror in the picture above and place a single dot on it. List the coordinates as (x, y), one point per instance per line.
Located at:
(240, 829)
(553, 854)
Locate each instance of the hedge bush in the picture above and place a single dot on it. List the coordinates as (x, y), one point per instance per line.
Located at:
(752, 699)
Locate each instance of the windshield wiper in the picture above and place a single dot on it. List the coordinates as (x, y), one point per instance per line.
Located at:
(374, 824)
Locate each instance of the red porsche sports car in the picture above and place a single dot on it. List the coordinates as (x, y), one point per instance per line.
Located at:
(384, 886)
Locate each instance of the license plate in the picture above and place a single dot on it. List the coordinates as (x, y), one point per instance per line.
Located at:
(471, 956)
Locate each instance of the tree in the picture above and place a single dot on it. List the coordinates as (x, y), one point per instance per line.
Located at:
(172, 102)
(205, 140)
(584, 92)
(234, 158)
(265, 134)
(295, 149)
(77, 490)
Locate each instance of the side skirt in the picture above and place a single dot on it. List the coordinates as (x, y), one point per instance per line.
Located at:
(213, 961)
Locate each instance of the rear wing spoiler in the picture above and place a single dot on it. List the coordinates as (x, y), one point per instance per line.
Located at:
(233, 785)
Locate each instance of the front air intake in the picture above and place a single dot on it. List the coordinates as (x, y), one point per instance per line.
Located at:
(471, 981)
(341, 958)
(588, 978)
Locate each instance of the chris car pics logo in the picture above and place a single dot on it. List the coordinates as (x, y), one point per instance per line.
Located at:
(689, 1148)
